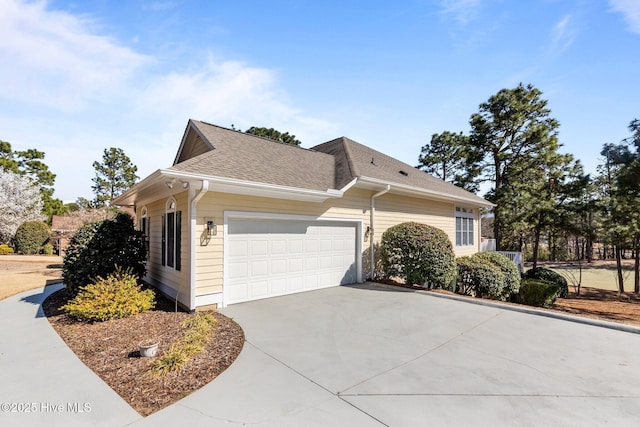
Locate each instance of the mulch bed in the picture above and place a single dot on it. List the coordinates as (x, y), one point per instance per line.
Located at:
(110, 349)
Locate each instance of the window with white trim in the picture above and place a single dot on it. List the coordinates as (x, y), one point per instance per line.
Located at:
(144, 227)
(171, 235)
(464, 226)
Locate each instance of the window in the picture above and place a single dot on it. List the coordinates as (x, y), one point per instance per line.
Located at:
(464, 227)
(145, 226)
(171, 236)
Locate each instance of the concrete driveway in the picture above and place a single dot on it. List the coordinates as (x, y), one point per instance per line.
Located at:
(373, 355)
(367, 355)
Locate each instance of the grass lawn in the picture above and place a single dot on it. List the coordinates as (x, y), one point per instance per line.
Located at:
(598, 274)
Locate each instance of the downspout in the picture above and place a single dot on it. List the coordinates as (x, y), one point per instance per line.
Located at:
(372, 228)
(192, 243)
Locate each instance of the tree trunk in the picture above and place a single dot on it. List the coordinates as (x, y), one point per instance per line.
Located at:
(618, 253)
(536, 245)
(636, 269)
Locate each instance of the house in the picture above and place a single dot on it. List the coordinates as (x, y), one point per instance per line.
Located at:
(239, 217)
(64, 227)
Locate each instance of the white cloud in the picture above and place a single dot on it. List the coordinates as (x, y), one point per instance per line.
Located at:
(74, 92)
(563, 34)
(55, 58)
(631, 11)
(462, 11)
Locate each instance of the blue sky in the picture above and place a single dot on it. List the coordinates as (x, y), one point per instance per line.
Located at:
(80, 76)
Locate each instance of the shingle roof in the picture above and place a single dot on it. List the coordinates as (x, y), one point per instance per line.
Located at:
(357, 160)
(242, 156)
(327, 166)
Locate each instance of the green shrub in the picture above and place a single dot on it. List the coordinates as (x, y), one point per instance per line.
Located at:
(419, 254)
(30, 237)
(96, 248)
(508, 268)
(5, 249)
(113, 297)
(538, 293)
(47, 249)
(549, 276)
(479, 277)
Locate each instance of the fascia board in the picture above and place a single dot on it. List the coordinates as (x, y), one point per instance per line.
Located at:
(427, 193)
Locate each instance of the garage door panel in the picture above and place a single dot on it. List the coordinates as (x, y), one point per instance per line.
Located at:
(278, 266)
(278, 286)
(259, 248)
(259, 268)
(326, 245)
(295, 284)
(296, 265)
(238, 248)
(259, 289)
(278, 247)
(296, 247)
(238, 270)
(311, 264)
(276, 257)
(239, 292)
(311, 282)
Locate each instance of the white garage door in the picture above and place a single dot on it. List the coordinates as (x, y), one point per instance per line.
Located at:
(267, 258)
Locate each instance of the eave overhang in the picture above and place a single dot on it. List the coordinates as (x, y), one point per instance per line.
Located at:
(375, 184)
(165, 182)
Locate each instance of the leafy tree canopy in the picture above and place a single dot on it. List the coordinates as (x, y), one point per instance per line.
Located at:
(511, 136)
(115, 175)
(446, 157)
(273, 134)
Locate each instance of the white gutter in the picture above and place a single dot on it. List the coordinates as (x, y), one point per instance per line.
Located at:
(474, 200)
(372, 228)
(192, 242)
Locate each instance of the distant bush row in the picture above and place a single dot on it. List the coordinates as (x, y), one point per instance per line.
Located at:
(31, 237)
(422, 254)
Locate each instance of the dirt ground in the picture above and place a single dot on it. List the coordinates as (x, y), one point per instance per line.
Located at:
(19, 273)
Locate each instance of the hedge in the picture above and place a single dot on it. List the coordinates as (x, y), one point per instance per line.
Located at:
(418, 253)
(479, 277)
(97, 248)
(549, 276)
(30, 237)
(508, 268)
(538, 293)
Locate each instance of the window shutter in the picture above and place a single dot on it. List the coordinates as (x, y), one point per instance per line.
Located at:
(178, 240)
(164, 240)
(147, 237)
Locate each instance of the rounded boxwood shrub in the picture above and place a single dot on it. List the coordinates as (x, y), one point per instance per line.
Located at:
(419, 254)
(30, 237)
(479, 277)
(508, 268)
(538, 293)
(549, 276)
(96, 249)
(113, 297)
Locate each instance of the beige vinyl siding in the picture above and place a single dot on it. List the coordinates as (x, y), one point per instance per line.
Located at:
(390, 210)
(156, 272)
